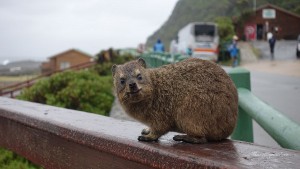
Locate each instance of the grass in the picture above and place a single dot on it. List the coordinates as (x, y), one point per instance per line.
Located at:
(226, 63)
(16, 78)
(9, 80)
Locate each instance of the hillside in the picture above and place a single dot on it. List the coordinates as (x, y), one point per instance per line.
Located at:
(187, 11)
(20, 68)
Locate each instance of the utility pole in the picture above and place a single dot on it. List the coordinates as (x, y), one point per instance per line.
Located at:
(254, 5)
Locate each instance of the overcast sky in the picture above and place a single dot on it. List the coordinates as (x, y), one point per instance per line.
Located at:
(38, 29)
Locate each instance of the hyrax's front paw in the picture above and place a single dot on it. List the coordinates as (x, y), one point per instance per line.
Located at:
(147, 138)
(145, 131)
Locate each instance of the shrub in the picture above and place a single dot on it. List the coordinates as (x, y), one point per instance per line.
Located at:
(10, 160)
(103, 68)
(83, 90)
(225, 28)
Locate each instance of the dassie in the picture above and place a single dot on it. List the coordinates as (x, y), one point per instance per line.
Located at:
(194, 97)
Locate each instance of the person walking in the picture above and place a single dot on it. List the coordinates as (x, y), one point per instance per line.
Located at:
(233, 50)
(159, 47)
(272, 41)
(174, 46)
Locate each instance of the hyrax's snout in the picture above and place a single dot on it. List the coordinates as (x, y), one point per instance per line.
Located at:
(133, 87)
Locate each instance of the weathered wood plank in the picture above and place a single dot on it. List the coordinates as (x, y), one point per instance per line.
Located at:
(61, 138)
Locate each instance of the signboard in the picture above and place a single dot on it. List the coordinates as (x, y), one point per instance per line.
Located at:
(269, 13)
(250, 31)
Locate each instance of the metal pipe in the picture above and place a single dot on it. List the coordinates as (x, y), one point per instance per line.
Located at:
(283, 130)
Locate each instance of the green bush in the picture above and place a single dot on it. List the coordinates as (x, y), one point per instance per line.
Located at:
(10, 160)
(225, 28)
(83, 90)
(103, 68)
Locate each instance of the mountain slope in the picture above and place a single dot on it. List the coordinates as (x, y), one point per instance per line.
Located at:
(187, 11)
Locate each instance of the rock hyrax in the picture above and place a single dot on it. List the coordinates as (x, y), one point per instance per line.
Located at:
(194, 97)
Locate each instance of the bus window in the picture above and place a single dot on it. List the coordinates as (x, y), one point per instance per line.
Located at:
(208, 30)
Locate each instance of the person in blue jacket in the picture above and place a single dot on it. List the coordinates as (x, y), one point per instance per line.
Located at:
(159, 47)
(233, 50)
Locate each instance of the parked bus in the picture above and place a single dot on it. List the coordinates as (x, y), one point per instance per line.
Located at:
(200, 40)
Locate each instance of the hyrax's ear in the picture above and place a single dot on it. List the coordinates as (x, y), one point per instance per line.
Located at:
(142, 62)
(113, 69)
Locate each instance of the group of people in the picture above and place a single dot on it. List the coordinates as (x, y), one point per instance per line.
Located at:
(232, 49)
(160, 48)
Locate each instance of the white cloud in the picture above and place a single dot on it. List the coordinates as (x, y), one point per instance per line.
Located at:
(39, 29)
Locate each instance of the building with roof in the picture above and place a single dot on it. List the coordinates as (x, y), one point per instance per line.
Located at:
(285, 24)
(66, 60)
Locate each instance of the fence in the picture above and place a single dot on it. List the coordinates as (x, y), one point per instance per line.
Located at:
(12, 89)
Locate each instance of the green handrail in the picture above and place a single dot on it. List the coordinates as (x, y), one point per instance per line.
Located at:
(244, 127)
(283, 130)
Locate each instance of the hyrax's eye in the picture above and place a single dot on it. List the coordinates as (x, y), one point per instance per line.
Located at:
(139, 77)
(122, 81)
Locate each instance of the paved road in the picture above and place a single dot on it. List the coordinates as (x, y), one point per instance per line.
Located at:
(276, 82)
(282, 93)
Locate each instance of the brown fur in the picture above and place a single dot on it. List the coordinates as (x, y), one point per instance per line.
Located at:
(195, 97)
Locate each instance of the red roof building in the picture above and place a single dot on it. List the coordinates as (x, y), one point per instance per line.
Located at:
(285, 24)
(65, 60)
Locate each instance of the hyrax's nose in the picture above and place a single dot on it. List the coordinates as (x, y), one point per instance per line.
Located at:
(132, 86)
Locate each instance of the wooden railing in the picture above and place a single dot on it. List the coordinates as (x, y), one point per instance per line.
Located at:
(12, 89)
(57, 138)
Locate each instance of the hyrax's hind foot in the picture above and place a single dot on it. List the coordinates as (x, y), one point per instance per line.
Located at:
(190, 139)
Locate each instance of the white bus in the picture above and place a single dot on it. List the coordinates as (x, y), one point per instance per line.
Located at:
(201, 38)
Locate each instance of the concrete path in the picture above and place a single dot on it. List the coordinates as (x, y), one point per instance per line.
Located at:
(279, 67)
(284, 50)
(247, 55)
(285, 62)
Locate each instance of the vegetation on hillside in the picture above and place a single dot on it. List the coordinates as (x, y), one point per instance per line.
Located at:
(187, 11)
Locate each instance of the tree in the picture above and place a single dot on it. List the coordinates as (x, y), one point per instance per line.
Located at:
(225, 28)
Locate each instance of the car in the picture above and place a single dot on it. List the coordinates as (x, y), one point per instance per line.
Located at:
(298, 47)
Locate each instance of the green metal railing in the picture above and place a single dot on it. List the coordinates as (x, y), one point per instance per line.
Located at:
(244, 128)
(159, 59)
(283, 130)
